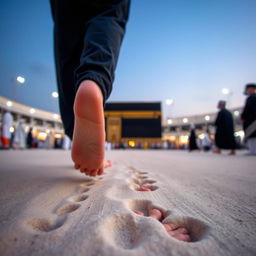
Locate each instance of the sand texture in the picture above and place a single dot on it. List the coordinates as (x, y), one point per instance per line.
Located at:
(48, 208)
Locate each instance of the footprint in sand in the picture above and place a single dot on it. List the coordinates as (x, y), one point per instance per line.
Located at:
(143, 188)
(78, 198)
(123, 231)
(185, 229)
(46, 225)
(67, 209)
(141, 182)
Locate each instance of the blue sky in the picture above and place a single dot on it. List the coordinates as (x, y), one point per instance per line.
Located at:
(187, 50)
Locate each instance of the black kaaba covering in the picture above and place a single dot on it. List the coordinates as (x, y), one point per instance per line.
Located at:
(139, 127)
(133, 106)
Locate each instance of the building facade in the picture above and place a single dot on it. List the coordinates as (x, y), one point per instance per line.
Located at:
(128, 124)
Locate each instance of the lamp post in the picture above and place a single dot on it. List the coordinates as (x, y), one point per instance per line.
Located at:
(169, 105)
(18, 81)
(55, 96)
(227, 93)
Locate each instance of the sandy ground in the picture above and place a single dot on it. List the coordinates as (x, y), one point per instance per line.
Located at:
(48, 208)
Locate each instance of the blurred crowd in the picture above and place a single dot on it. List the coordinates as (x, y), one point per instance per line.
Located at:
(222, 139)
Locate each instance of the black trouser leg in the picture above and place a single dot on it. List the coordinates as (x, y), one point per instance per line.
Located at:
(88, 37)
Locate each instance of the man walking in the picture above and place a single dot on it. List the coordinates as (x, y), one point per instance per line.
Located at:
(224, 136)
(249, 118)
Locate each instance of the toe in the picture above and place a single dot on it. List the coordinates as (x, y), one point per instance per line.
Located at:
(181, 237)
(170, 226)
(101, 171)
(144, 189)
(94, 172)
(179, 231)
(139, 213)
(155, 213)
(77, 166)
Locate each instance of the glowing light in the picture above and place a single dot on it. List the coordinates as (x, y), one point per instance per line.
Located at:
(42, 135)
(185, 120)
(32, 111)
(225, 91)
(9, 103)
(201, 136)
(169, 101)
(47, 131)
(207, 118)
(57, 136)
(55, 116)
(20, 79)
(131, 143)
(169, 121)
(240, 134)
(55, 95)
(184, 139)
(236, 113)
(12, 129)
(172, 138)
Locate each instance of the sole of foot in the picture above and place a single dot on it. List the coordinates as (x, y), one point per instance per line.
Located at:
(89, 130)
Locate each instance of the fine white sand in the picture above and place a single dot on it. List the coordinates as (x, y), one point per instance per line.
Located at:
(48, 208)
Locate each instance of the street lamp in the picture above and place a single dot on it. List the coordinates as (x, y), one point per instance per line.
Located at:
(17, 81)
(228, 94)
(225, 91)
(169, 102)
(55, 116)
(55, 95)
(32, 111)
(236, 113)
(169, 107)
(169, 121)
(9, 103)
(185, 120)
(207, 118)
(20, 79)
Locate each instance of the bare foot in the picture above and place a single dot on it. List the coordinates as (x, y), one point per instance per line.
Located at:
(89, 132)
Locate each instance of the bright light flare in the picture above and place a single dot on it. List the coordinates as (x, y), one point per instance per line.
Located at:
(55, 116)
(9, 103)
(169, 101)
(236, 113)
(55, 95)
(169, 121)
(225, 91)
(185, 120)
(20, 79)
(32, 111)
(207, 118)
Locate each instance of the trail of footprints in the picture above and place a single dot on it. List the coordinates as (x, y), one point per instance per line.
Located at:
(128, 233)
(70, 205)
(124, 231)
(140, 181)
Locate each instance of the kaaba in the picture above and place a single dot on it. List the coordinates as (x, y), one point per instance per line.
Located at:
(137, 122)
